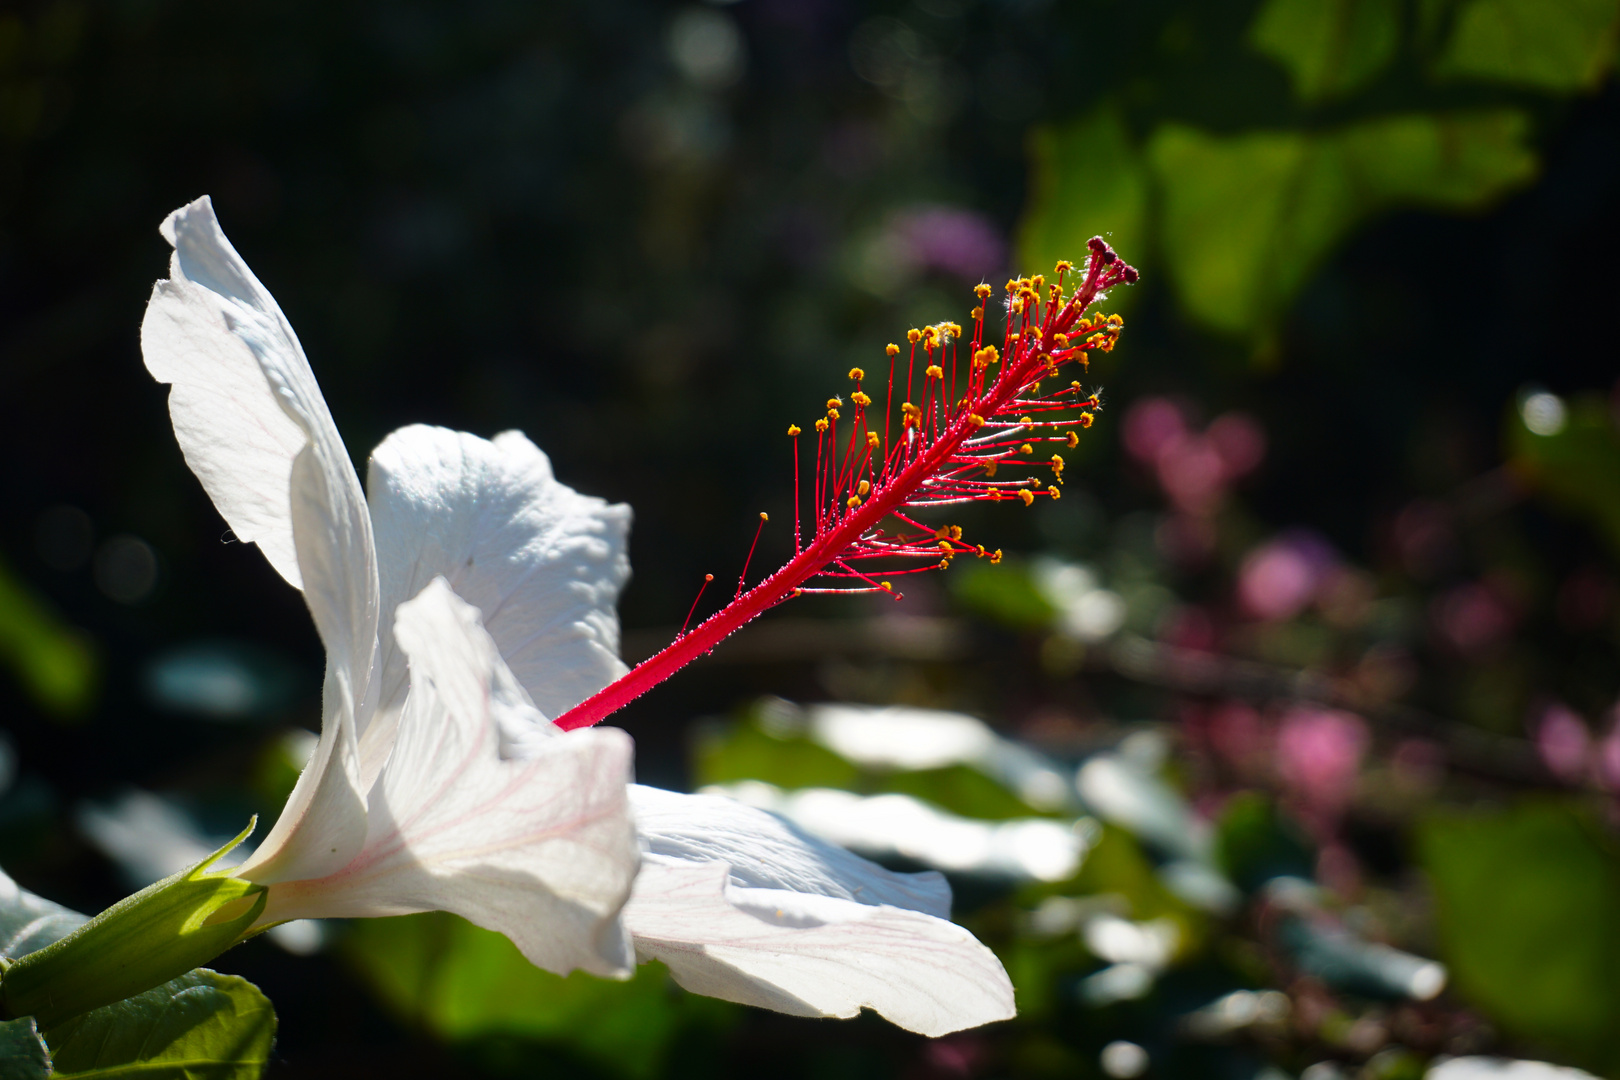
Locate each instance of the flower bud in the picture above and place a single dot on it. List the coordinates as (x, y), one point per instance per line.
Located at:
(142, 941)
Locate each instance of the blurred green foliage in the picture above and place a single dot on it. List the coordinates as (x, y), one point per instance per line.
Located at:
(1240, 219)
(1577, 466)
(55, 662)
(466, 984)
(1526, 898)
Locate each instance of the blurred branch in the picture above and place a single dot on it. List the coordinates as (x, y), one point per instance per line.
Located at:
(1190, 671)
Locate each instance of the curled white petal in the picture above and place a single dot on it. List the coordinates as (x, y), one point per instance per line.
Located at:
(235, 437)
(764, 851)
(542, 562)
(254, 427)
(813, 955)
(540, 848)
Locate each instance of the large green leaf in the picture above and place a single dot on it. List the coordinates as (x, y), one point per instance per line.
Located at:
(464, 984)
(1526, 901)
(1577, 465)
(1560, 46)
(53, 661)
(1329, 47)
(23, 1055)
(1087, 180)
(1247, 217)
(201, 1026)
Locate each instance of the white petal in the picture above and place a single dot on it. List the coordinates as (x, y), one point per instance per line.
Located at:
(813, 955)
(541, 849)
(269, 455)
(764, 851)
(235, 437)
(542, 562)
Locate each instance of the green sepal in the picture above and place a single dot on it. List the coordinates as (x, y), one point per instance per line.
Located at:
(142, 941)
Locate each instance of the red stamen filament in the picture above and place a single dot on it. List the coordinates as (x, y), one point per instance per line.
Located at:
(706, 579)
(947, 453)
(743, 577)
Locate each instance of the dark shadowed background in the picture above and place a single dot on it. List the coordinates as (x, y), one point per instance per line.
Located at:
(1343, 544)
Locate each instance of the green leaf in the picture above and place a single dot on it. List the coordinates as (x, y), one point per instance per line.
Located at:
(1248, 217)
(1560, 46)
(1087, 180)
(1577, 466)
(28, 922)
(743, 751)
(54, 662)
(1006, 593)
(23, 1055)
(1525, 899)
(1329, 47)
(464, 984)
(201, 1026)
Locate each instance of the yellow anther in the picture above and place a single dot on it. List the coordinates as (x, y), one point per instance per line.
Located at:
(1061, 340)
(1054, 492)
(793, 429)
(1017, 305)
(1027, 495)
(854, 501)
(930, 332)
(1063, 266)
(892, 349)
(886, 586)
(832, 414)
(1057, 463)
(872, 439)
(1023, 283)
(1053, 293)
(1037, 281)
(1074, 439)
(975, 421)
(1026, 449)
(1076, 385)
(977, 313)
(1115, 321)
(1086, 419)
(990, 469)
(1027, 421)
(955, 329)
(863, 488)
(933, 371)
(945, 546)
(956, 532)
(763, 516)
(995, 494)
(991, 354)
(821, 425)
(914, 336)
(860, 399)
(834, 402)
(995, 556)
(857, 374)
(981, 291)
(1012, 285)
(982, 553)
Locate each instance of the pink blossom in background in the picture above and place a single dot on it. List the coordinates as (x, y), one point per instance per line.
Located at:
(1563, 742)
(1279, 578)
(1608, 758)
(1319, 754)
(1240, 442)
(1424, 538)
(949, 240)
(1238, 734)
(1195, 469)
(1471, 618)
(1149, 425)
